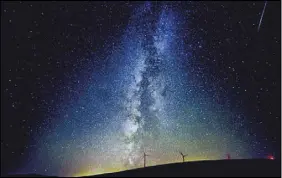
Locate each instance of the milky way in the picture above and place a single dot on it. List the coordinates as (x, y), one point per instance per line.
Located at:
(143, 100)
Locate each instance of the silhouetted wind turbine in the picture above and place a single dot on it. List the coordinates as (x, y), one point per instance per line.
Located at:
(145, 158)
(183, 156)
(228, 156)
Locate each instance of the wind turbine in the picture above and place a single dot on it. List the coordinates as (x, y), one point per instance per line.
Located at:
(228, 156)
(144, 156)
(183, 156)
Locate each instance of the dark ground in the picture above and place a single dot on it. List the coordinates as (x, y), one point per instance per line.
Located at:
(228, 168)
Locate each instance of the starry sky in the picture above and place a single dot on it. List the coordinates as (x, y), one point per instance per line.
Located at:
(88, 87)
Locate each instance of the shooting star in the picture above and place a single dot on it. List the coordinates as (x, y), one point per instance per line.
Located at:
(262, 15)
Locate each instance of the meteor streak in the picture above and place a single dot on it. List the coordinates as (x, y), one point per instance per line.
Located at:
(262, 15)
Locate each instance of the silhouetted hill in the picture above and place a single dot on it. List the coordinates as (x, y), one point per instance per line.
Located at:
(219, 168)
(249, 168)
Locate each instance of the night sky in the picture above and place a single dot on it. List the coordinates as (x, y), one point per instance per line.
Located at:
(88, 87)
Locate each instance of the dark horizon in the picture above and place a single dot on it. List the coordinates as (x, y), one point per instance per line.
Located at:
(239, 167)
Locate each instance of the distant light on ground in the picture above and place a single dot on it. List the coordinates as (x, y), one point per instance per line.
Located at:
(270, 157)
